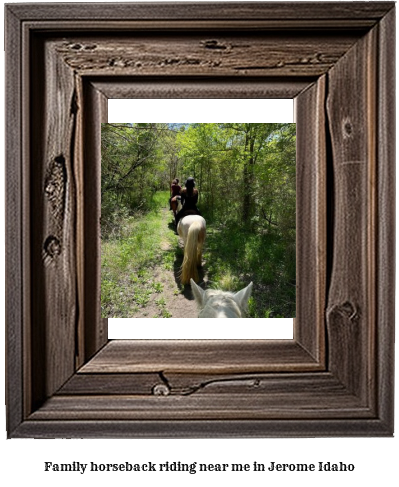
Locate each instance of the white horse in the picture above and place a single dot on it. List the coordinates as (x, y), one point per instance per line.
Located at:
(221, 304)
(192, 229)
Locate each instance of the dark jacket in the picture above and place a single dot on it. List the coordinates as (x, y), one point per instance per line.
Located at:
(189, 202)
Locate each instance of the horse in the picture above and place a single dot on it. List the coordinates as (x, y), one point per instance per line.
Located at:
(214, 303)
(175, 204)
(192, 230)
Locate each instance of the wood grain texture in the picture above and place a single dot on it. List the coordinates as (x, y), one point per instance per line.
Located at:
(177, 87)
(256, 397)
(14, 238)
(291, 428)
(200, 356)
(208, 11)
(203, 407)
(95, 329)
(242, 54)
(299, 24)
(185, 384)
(198, 389)
(385, 277)
(78, 175)
(351, 307)
(310, 188)
(311, 174)
(53, 214)
(139, 384)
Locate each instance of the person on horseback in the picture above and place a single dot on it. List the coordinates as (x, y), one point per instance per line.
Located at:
(174, 190)
(189, 199)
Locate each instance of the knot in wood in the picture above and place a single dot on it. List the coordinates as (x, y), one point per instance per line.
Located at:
(51, 248)
(349, 310)
(50, 189)
(55, 189)
(161, 390)
(347, 128)
(90, 47)
(213, 44)
(346, 310)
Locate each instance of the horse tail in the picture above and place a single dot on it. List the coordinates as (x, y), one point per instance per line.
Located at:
(192, 253)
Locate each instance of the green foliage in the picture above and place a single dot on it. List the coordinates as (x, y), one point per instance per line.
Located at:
(127, 261)
(135, 161)
(245, 172)
(246, 177)
(235, 257)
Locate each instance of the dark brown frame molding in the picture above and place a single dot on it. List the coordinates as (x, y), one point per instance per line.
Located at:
(64, 378)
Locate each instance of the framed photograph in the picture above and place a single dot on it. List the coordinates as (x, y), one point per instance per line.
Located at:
(244, 176)
(65, 378)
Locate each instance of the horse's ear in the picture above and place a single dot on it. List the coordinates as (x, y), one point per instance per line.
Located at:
(242, 297)
(198, 293)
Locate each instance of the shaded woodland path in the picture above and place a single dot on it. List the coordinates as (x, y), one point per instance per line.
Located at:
(175, 300)
(141, 263)
(246, 177)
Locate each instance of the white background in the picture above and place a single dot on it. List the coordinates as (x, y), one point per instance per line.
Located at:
(22, 461)
(200, 111)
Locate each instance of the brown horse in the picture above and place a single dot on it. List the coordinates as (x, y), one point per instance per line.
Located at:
(175, 204)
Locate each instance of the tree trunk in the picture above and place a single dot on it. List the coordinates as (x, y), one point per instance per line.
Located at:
(248, 175)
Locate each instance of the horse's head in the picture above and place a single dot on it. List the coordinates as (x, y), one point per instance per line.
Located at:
(221, 304)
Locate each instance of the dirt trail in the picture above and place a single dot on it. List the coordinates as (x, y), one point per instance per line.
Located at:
(174, 301)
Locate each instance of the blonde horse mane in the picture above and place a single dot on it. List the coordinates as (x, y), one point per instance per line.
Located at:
(192, 229)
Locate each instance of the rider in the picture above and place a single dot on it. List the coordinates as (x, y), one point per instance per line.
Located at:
(189, 199)
(174, 190)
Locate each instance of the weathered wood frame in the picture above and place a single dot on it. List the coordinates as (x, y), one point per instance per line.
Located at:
(64, 379)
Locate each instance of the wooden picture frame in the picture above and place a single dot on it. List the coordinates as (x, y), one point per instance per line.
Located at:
(335, 378)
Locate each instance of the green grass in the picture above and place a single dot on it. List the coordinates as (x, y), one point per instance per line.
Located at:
(233, 257)
(128, 260)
